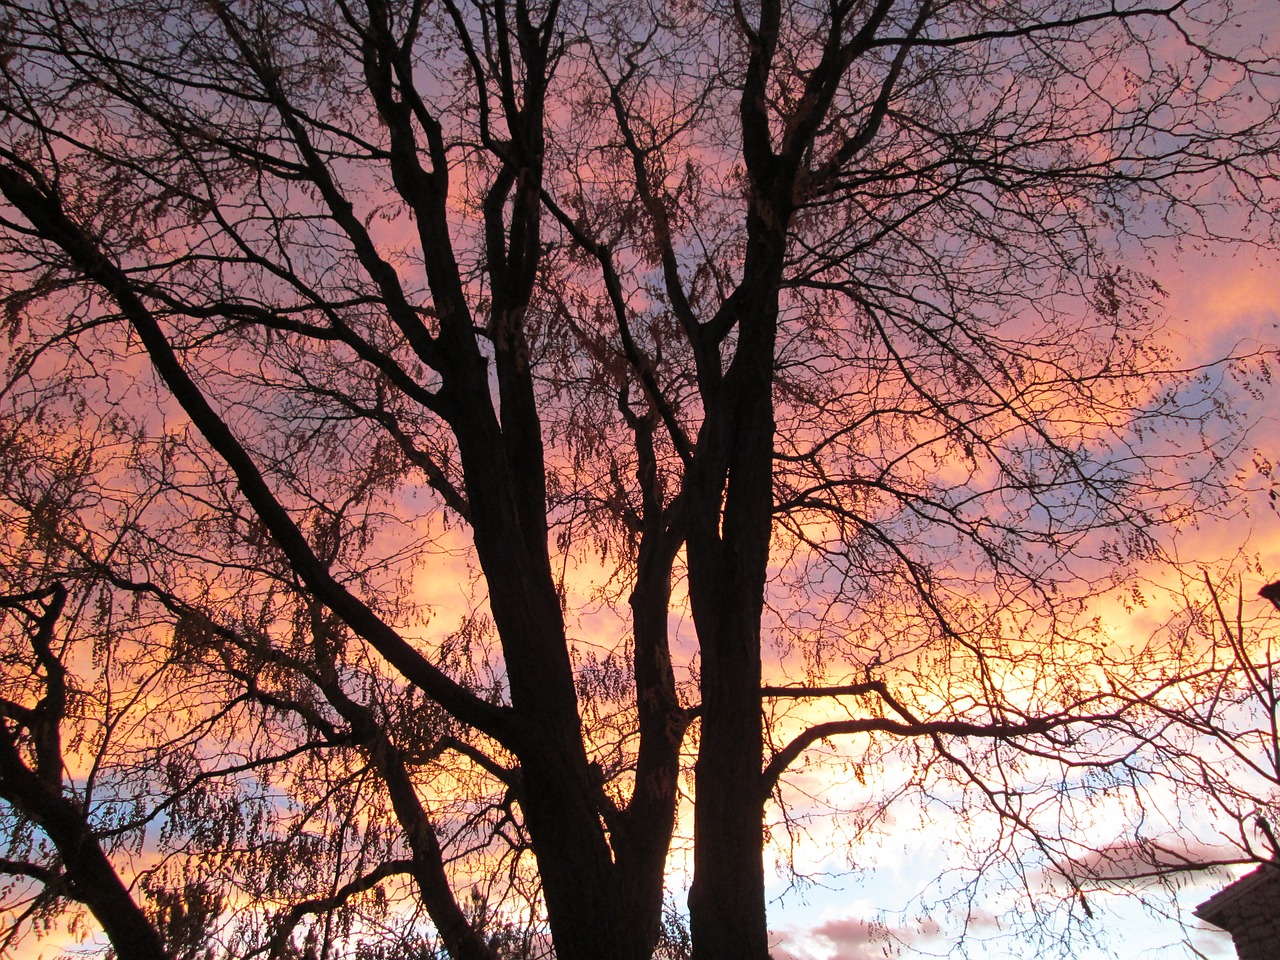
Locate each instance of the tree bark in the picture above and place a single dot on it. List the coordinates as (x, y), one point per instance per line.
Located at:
(728, 559)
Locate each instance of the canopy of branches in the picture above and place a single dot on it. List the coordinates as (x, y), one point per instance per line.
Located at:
(468, 466)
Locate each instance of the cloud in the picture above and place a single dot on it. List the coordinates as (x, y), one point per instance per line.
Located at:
(853, 939)
(850, 938)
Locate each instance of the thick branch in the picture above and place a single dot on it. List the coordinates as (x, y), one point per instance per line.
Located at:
(922, 728)
(45, 213)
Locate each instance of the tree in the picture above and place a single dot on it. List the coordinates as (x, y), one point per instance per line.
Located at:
(137, 727)
(71, 789)
(36, 789)
(1225, 732)
(808, 319)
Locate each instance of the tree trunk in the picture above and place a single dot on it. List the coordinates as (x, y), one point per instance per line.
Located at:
(726, 902)
(727, 566)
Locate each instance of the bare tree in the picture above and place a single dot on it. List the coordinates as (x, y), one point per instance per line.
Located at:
(810, 320)
(1224, 721)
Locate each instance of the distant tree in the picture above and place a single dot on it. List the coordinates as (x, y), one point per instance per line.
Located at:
(788, 332)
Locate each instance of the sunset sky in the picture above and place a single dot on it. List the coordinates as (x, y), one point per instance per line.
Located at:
(317, 418)
(1219, 301)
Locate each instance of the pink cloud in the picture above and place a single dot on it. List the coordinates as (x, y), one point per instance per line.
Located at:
(851, 938)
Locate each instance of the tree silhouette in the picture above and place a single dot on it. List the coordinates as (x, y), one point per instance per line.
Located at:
(771, 331)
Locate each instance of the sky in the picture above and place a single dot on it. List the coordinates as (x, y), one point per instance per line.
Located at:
(1219, 302)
